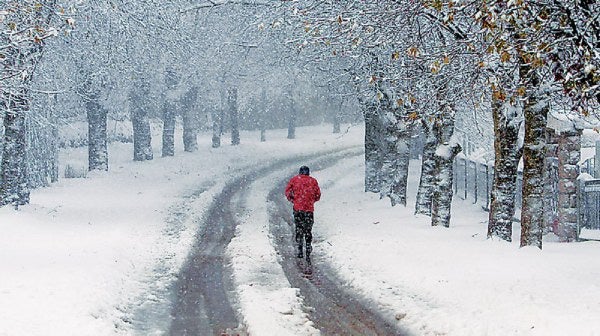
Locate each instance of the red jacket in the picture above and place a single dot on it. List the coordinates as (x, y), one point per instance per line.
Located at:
(303, 191)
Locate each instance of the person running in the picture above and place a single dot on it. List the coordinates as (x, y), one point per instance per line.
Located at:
(303, 191)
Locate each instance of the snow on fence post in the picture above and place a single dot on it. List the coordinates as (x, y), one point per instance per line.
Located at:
(455, 172)
(459, 162)
(466, 177)
(596, 160)
(476, 182)
(585, 214)
(519, 190)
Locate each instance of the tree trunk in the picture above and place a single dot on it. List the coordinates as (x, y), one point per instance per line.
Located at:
(372, 158)
(168, 135)
(403, 149)
(292, 119)
(336, 119)
(189, 116)
(97, 143)
(395, 159)
(36, 153)
(395, 169)
(53, 163)
(441, 200)
(428, 164)
(169, 112)
(217, 129)
(507, 156)
(446, 151)
(373, 162)
(52, 154)
(14, 188)
(21, 53)
(142, 135)
(233, 115)
(536, 113)
(263, 116)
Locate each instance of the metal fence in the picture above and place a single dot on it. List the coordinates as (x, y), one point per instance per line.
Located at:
(473, 181)
(588, 166)
(589, 205)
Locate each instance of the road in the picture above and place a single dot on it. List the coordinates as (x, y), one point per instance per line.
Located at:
(201, 301)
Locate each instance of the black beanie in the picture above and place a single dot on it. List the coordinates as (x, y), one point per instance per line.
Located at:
(304, 170)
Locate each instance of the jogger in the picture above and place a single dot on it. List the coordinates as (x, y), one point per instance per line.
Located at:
(303, 191)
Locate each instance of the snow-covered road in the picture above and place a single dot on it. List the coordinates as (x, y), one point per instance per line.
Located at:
(205, 296)
(211, 285)
(206, 299)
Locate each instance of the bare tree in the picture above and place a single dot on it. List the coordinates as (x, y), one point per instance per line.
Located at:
(24, 28)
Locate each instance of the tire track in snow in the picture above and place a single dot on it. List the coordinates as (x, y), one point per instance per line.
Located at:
(204, 302)
(334, 311)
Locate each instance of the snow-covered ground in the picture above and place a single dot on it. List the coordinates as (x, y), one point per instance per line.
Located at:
(440, 281)
(80, 257)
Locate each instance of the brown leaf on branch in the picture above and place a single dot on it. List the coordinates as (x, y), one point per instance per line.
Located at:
(413, 52)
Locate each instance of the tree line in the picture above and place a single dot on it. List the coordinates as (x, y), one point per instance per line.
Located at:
(410, 65)
(69, 61)
(416, 64)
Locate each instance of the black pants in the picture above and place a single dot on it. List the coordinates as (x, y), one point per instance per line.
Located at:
(304, 222)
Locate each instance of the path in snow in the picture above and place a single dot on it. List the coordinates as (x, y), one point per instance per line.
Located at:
(203, 303)
(334, 310)
(202, 298)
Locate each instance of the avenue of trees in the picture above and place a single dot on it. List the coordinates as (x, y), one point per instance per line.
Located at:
(420, 63)
(493, 69)
(206, 65)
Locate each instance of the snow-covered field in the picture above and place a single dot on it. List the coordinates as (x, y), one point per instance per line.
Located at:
(80, 257)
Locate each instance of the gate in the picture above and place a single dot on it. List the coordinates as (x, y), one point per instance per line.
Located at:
(590, 205)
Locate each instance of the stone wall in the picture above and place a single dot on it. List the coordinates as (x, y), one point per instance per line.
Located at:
(569, 154)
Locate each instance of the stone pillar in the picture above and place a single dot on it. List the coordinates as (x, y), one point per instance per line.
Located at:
(569, 154)
(551, 185)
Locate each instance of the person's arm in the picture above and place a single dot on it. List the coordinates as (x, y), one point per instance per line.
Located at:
(289, 191)
(317, 191)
